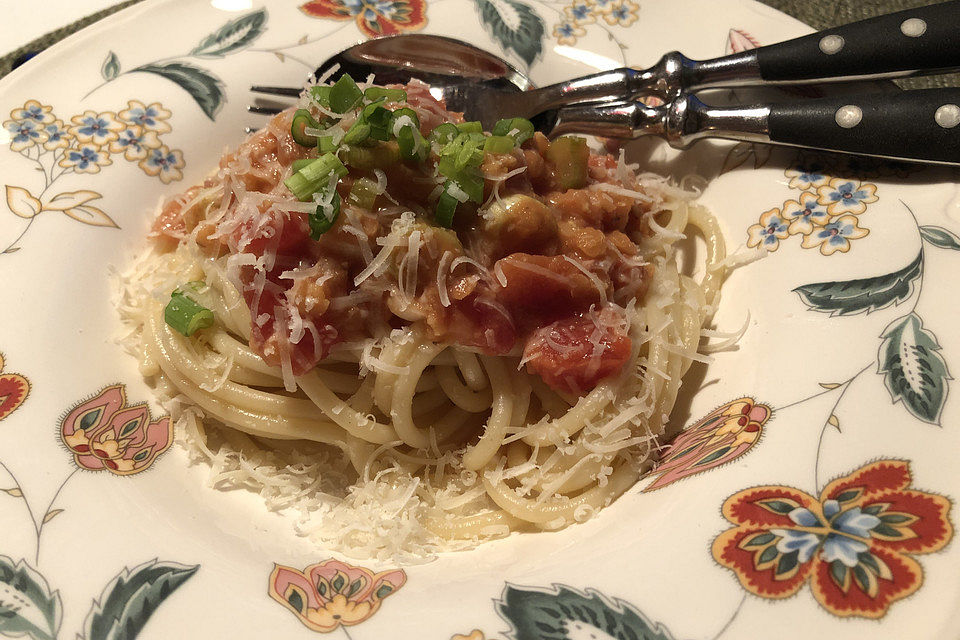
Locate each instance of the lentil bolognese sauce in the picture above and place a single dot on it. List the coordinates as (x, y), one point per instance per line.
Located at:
(420, 334)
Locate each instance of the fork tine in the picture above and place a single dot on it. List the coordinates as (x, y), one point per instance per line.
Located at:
(266, 111)
(291, 92)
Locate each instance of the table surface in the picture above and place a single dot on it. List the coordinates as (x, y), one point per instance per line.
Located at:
(32, 31)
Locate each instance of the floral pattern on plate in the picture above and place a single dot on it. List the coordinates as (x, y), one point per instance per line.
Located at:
(854, 543)
(331, 593)
(84, 146)
(374, 18)
(14, 389)
(106, 433)
(824, 215)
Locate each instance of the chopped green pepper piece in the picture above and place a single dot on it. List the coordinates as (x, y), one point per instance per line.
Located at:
(498, 144)
(344, 94)
(377, 93)
(186, 316)
(520, 129)
(569, 154)
(363, 194)
(379, 156)
(301, 120)
(470, 127)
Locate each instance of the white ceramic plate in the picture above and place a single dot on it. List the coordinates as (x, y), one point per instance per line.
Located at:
(816, 502)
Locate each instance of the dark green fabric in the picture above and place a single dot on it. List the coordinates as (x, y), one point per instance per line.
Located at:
(819, 14)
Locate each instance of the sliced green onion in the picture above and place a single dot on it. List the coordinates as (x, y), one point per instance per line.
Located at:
(411, 144)
(444, 133)
(300, 164)
(321, 94)
(319, 221)
(186, 316)
(393, 95)
(446, 165)
(397, 114)
(301, 120)
(446, 207)
(358, 132)
(325, 144)
(470, 155)
(570, 155)
(377, 116)
(344, 94)
(498, 144)
(363, 193)
(380, 156)
(471, 183)
(379, 120)
(314, 176)
(520, 129)
(470, 127)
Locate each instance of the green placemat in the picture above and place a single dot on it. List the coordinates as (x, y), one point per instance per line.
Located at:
(819, 14)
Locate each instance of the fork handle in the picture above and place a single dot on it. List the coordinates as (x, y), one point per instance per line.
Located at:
(917, 126)
(921, 126)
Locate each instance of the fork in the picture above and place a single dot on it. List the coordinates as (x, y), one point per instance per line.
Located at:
(914, 125)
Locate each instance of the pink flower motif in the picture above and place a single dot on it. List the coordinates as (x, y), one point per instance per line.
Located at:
(332, 593)
(104, 433)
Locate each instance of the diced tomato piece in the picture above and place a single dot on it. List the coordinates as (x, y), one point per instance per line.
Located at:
(576, 353)
(541, 289)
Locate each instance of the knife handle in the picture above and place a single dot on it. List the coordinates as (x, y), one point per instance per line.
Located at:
(915, 41)
(925, 38)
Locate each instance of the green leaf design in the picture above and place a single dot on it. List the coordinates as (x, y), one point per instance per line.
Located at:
(940, 237)
(27, 606)
(127, 603)
(849, 297)
(514, 25)
(202, 86)
(914, 371)
(111, 67)
(232, 36)
(563, 612)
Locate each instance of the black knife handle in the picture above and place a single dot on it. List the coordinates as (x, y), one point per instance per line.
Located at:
(925, 38)
(922, 125)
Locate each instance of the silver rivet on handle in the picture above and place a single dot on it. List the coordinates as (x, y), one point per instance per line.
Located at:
(848, 116)
(913, 27)
(947, 116)
(831, 44)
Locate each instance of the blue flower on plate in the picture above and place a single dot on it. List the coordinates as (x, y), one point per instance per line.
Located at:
(164, 163)
(58, 137)
(24, 134)
(769, 232)
(580, 12)
(842, 196)
(33, 111)
(86, 159)
(835, 236)
(96, 128)
(152, 117)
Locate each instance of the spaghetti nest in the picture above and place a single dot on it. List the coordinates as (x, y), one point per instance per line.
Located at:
(412, 383)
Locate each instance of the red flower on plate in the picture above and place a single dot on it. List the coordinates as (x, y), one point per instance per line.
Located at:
(332, 593)
(854, 544)
(104, 433)
(13, 391)
(375, 18)
(726, 433)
